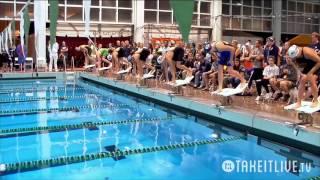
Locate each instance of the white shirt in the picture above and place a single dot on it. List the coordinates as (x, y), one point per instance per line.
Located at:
(54, 49)
(271, 71)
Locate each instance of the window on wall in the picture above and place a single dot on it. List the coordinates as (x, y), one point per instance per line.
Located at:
(308, 8)
(205, 20)
(74, 2)
(195, 7)
(94, 14)
(225, 9)
(125, 16)
(165, 17)
(61, 1)
(266, 25)
(125, 3)
(195, 19)
(267, 3)
(226, 22)
(256, 24)
(109, 3)
(257, 3)
(316, 8)
(236, 10)
(108, 15)
(205, 7)
(247, 11)
(300, 7)
(95, 2)
(284, 4)
(150, 4)
(7, 10)
(164, 5)
(150, 17)
(284, 27)
(247, 2)
(236, 1)
(61, 13)
(257, 11)
(246, 23)
(292, 5)
(236, 23)
(74, 13)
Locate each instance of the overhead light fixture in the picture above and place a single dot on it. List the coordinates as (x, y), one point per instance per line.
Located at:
(309, 18)
(239, 4)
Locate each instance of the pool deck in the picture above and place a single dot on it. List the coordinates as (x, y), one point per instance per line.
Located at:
(267, 119)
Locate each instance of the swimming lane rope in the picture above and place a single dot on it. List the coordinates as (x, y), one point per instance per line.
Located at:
(11, 132)
(24, 99)
(37, 89)
(39, 164)
(71, 108)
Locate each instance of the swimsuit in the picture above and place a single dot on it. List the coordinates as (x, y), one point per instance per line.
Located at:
(144, 54)
(307, 64)
(224, 56)
(178, 54)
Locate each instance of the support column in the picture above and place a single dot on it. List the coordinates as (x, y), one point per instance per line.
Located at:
(276, 20)
(40, 17)
(138, 21)
(216, 11)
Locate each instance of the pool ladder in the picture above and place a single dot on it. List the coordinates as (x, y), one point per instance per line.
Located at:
(70, 78)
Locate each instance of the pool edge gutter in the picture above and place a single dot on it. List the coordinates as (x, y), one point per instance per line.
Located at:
(279, 132)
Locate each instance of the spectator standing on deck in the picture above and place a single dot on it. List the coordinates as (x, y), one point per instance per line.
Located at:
(21, 52)
(53, 55)
(64, 54)
(271, 50)
(315, 37)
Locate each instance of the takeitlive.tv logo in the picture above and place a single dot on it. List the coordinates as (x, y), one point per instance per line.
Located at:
(265, 166)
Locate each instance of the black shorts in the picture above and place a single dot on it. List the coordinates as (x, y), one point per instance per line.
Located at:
(89, 50)
(307, 66)
(120, 53)
(144, 54)
(178, 54)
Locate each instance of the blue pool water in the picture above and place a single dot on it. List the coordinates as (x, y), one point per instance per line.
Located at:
(196, 162)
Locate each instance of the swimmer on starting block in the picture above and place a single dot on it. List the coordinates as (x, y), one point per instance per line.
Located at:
(308, 59)
(225, 53)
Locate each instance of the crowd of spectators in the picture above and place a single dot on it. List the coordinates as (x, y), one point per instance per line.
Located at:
(269, 71)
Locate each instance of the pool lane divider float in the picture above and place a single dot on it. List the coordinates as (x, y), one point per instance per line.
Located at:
(52, 110)
(314, 178)
(6, 133)
(11, 168)
(62, 98)
(43, 89)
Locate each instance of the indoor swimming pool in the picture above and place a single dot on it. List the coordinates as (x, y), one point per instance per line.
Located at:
(49, 129)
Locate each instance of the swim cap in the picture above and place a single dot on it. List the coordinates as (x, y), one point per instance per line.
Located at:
(293, 51)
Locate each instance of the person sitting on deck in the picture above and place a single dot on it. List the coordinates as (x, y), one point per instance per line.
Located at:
(270, 73)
